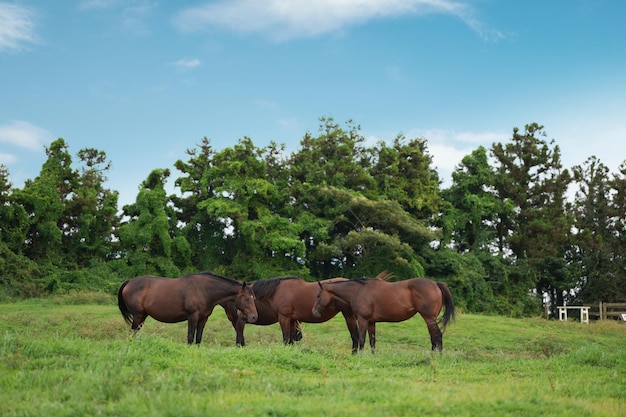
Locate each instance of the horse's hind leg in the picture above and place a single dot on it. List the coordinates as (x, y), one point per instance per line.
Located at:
(371, 330)
(297, 331)
(286, 325)
(363, 327)
(192, 324)
(138, 320)
(436, 338)
(200, 329)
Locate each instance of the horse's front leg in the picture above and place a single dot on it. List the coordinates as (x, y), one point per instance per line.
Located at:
(240, 324)
(353, 328)
(363, 326)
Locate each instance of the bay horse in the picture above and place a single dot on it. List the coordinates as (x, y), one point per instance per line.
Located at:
(291, 300)
(376, 300)
(191, 297)
(266, 317)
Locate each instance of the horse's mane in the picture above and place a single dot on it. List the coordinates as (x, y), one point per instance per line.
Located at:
(384, 276)
(265, 288)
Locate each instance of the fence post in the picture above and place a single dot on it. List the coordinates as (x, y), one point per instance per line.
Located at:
(601, 311)
(546, 307)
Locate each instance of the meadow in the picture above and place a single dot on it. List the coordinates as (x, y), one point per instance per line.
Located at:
(74, 355)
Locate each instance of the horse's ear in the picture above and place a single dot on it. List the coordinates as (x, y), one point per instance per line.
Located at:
(243, 285)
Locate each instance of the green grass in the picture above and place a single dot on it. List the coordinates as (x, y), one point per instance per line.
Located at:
(58, 358)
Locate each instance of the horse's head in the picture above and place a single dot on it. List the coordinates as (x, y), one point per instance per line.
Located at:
(245, 303)
(322, 299)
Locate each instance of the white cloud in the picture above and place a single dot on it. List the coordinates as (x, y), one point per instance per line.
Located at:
(473, 138)
(25, 135)
(446, 157)
(17, 27)
(448, 147)
(187, 64)
(283, 19)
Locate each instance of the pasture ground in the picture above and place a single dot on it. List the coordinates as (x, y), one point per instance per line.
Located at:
(63, 359)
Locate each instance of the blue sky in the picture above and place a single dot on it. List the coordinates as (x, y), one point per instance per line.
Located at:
(144, 80)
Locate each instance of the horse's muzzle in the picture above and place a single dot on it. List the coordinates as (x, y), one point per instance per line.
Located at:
(250, 319)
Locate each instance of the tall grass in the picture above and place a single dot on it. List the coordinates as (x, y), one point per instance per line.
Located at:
(65, 360)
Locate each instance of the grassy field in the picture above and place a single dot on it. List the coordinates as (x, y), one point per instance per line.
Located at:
(64, 359)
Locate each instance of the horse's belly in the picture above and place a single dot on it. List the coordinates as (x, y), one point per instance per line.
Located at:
(396, 311)
(166, 309)
(167, 317)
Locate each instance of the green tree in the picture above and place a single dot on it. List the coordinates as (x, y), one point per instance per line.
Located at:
(334, 158)
(617, 290)
(473, 205)
(404, 173)
(362, 210)
(44, 200)
(599, 207)
(149, 240)
(378, 232)
(14, 222)
(205, 233)
(19, 275)
(467, 276)
(530, 180)
(91, 212)
(257, 241)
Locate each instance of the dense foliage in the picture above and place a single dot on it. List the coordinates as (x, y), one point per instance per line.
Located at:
(507, 231)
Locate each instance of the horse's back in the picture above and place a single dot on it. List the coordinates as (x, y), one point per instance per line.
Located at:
(138, 287)
(150, 283)
(161, 298)
(424, 286)
(398, 300)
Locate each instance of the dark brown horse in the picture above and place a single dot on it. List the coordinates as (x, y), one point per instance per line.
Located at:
(266, 317)
(375, 300)
(190, 298)
(291, 300)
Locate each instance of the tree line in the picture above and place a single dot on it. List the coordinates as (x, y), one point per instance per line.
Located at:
(506, 232)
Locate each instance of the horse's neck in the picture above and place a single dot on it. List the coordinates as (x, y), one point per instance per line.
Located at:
(222, 291)
(343, 290)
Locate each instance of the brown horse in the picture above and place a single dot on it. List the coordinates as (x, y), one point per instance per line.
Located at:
(266, 316)
(375, 300)
(291, 300)
(190, 298)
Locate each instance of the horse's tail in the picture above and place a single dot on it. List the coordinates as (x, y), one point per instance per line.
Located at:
(449, 314)
(128, 316)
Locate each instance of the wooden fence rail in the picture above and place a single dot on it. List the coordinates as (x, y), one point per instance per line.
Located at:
(601, 311)
(612, 310)
(604, 311)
